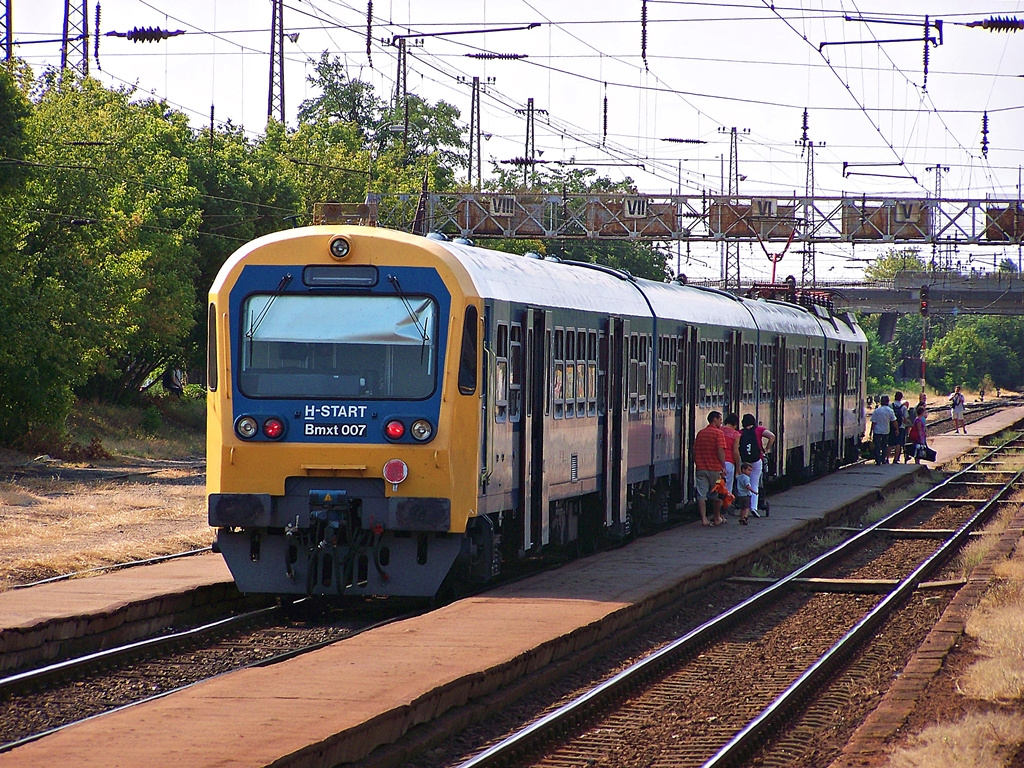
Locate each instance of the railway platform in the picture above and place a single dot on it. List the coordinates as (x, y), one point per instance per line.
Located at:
(340, 703)
(91, 612)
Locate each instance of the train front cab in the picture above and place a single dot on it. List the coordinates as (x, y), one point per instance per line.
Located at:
(335, 499)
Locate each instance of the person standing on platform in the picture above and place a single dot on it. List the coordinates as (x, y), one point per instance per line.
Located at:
(903, 421)
(919, 433)
(753, 451)
(883, 422)
(709, 459)
(956, 410)
(744, 491)
(731, 429)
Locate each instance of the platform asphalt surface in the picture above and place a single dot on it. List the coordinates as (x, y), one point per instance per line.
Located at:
(339, 703)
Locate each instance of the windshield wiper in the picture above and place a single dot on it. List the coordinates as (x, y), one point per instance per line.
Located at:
(412, 315)
(255, 323)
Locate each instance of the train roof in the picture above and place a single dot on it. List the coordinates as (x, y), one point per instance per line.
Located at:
(548, 282)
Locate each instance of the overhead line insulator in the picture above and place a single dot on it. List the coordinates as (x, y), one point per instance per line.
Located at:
(998, 24)
(146, 34)
(497, 56)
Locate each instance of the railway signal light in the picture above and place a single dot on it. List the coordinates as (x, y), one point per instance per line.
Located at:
(924, 299)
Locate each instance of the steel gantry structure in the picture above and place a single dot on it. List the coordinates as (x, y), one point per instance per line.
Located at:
(867, 219)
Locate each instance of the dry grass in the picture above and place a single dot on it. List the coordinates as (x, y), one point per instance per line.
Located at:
(154, 505)
(976, 550)
(54, 527)
(992, 733)
(998, 626)
(976, 741)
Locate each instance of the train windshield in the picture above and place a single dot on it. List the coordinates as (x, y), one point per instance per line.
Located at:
(379, 347)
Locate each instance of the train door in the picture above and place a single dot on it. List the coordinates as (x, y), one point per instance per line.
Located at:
(778, 399)
(529, 413)
(615, 429)
(534, 486)
(838, 382)
(688, 375)
(734, 375)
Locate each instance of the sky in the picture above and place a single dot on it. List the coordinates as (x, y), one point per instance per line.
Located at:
(878, 125)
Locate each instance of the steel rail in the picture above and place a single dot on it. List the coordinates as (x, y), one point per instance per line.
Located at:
(619, 684)
(50, 671)
(276, 658)
(113, 567)
(737, 748)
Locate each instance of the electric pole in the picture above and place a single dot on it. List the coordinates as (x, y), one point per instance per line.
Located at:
(74, 47)
(7, 29)
(730, 246)
(275, 93)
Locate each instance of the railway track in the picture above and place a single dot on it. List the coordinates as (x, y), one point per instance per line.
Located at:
(822, 641)
(37, 702)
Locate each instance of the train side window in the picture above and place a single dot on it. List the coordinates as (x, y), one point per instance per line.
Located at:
(602, 373)
(592, 373)
(558, 355)
(501, 373)
(467, 356)
(631, 380)
(548, 357)
(802, 377)
(570, 373)
(702, 373)
(515, 362)
(661, 380)
(581, 374)
(675, 344)
(643, 371)
(211, 350)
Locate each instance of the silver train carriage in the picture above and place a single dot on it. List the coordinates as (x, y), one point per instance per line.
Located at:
(388, 411)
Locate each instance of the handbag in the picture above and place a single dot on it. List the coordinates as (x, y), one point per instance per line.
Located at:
(723, 493)
(927, 453)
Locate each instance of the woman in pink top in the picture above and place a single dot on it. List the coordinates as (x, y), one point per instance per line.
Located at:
(731, 428)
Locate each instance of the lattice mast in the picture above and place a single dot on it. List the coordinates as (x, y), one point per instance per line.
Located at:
(74, 47)
(941, 256)
(402, 93)
(475, 134)
(808, 272)
(7, 29)
(731, 248)
(275, 93)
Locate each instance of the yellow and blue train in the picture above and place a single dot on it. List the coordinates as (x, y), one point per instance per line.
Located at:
(388, 411)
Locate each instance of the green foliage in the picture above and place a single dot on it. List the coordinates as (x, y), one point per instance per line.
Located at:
(895, 261)
(151, 420)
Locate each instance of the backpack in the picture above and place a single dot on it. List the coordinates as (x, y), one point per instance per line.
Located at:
(750, 451)
(902, 418)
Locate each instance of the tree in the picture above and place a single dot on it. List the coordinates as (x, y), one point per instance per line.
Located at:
(110, 248)
(895, 261)
(341, 98)
(431, 130)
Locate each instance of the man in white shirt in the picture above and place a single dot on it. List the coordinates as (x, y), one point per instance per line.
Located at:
(883, 423)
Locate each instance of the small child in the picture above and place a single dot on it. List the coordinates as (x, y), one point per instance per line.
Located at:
(743, 491)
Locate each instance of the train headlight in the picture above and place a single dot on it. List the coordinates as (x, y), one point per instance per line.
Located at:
(273, 428)
(339, 248)
(247, 427)
(394, 430)
(421, 429)
(395, 471)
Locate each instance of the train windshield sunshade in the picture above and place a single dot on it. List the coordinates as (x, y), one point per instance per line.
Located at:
(339, 346)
